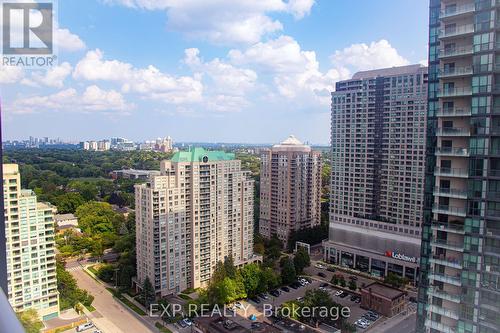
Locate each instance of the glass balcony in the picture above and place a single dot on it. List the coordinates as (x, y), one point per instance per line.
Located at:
(453, 280)
(452, 131)
(434, 291)
(451, 172)
(453, 112)
(457, 31)
(449, 245)
(457, 10)
(451, 151)
(438, 326)
(446, 261)
(450, 210)
(454, 92)
(448, 227)
(450, 192)
(454, 72)
(442, 311)
(455, 52)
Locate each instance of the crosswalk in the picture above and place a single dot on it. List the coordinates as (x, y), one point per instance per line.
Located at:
(74, 268)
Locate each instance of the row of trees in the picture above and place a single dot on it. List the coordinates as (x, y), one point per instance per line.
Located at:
(339, 280)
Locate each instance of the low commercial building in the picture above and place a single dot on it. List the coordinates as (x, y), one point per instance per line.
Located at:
(383, 299)
(134, 174)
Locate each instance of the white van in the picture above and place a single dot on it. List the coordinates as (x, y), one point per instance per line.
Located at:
(84, 327)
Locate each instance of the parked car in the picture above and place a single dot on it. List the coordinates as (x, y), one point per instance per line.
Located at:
(275, 292)
(85, 326)
(319, 266)
(357, 300)
(188, 321)
(339, 292)
(255, 300)
(353, 297)
(182, 323)
(263, 296)
(354, 278)
(238, 305)
(322, 274)
(285, 288)
(295, 285)
(300, 299)
(344, 295)
(324, 285)
(331, 269)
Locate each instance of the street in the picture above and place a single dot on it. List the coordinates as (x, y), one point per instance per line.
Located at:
(110, 316)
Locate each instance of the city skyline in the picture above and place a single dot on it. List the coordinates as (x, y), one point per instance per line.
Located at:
(281, 65)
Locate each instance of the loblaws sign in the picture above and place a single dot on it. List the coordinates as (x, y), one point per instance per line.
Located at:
(400, 256)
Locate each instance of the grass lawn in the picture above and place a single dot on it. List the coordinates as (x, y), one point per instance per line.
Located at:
(162, 328)
(126, 301)
(92, 269)
(185, 297)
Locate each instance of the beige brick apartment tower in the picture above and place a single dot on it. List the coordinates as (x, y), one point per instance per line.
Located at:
(290, 189)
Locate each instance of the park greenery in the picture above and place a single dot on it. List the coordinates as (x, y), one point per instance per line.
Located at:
(395, 280)
(30, 320)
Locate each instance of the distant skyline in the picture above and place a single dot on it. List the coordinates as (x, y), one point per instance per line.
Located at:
(211, 71)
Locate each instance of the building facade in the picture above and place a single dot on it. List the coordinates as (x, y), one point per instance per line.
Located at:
(198, 212)
(290, 189)
(385, 300)
(31, 258)
(460, 267)
(378, 149)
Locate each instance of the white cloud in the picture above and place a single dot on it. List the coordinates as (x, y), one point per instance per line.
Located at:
(68, 41)
(296, 73)
(150, 81)
(10, 74)
(68, 100)
(52, 77)
(361, 56)
(223, 21)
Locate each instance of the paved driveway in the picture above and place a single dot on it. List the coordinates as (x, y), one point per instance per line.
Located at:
(110, 316)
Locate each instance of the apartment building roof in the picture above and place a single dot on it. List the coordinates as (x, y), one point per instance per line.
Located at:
(197, 155)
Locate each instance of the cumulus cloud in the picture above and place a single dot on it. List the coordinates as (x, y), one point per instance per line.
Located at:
(363, 56)
(228, 84)
(52, 77)
(149, 81)
(68, 41)
(10, 74)
(223, 21)
(69, 100)
(295, 72)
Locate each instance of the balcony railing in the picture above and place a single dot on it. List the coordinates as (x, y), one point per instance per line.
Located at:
(446, 261)
(455, 52)
(451, 172)
(450, 210)
(452, 131)
(450, 151)
(453, 112)
(438, 326)
(450, 192)
(457, 10)
(456, 31)
(433, 291)
(454, 280)
(442, 311)
(458, 71)
(446, 244)
(454, 92)
(448, 227)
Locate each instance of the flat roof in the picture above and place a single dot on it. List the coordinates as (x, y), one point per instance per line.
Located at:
(383, 290)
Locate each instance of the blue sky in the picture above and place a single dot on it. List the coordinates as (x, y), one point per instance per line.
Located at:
(212, 70)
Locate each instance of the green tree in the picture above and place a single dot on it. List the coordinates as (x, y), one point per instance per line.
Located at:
(251, 275)
(69, 202)
(96, 217)
(269, 279)
(301, 260)
(148, 292)
(229, 267)
(69, 293)
(335, 279)
(288, 273)
(106, 272)
(30, 320)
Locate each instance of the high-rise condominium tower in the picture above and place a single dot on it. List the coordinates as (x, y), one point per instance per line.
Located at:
(31, 261)
(198, 212)
(378, 150)
(460, 266)
(290, 189)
